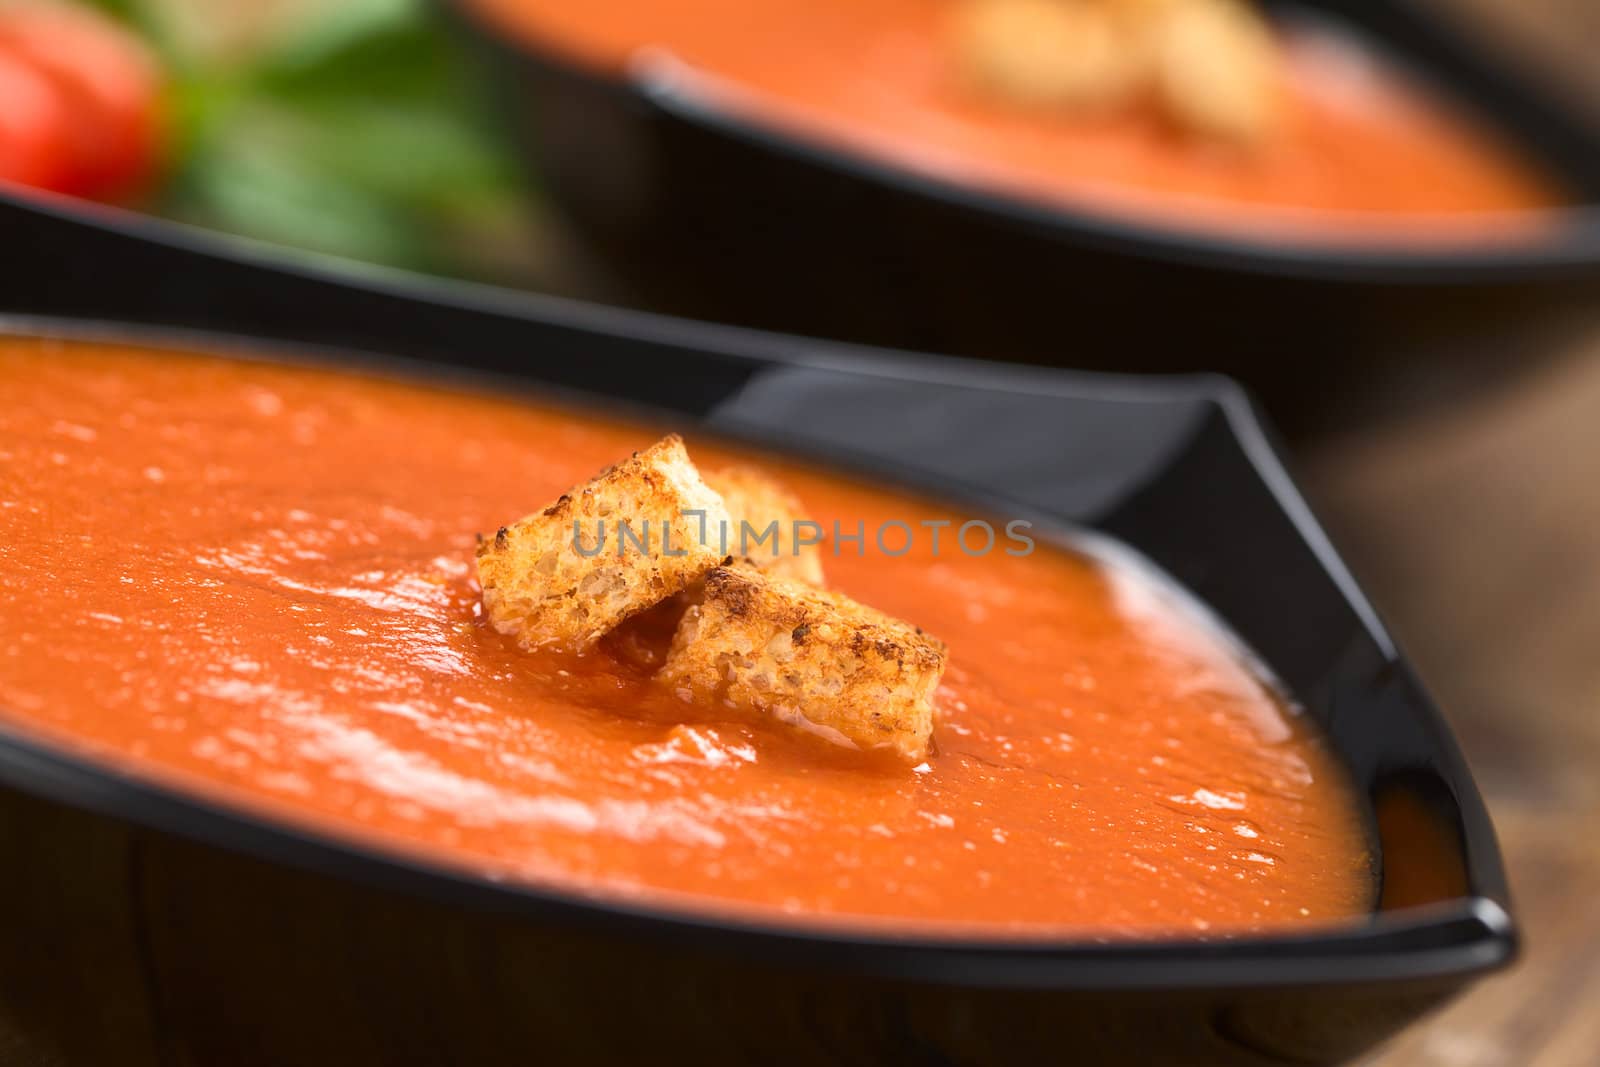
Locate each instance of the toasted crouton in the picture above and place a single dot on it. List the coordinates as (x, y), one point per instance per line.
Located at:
(813, 659)
(562, 577)
(756, 503)
(1048, 53)
(1219, 71)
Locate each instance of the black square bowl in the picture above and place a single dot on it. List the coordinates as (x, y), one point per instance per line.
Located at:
(145, 926)
(698, 198)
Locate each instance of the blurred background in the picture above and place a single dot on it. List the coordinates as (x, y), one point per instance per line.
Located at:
(1374, 201)
(345, 128)
(1446, 422)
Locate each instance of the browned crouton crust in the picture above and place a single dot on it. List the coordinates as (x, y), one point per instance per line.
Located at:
(756, 499)
(538, 586)
(811, 658)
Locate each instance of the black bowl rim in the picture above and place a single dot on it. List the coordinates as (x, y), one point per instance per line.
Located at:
(1455, 940)
(655, 79)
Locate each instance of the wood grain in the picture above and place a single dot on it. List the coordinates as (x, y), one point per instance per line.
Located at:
(1560, 36)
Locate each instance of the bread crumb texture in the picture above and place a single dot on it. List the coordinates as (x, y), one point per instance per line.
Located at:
(762, 507)
(811, 658)
(562, 577)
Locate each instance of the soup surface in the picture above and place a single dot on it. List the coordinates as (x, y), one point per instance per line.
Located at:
(1365, 152)
(254, 581)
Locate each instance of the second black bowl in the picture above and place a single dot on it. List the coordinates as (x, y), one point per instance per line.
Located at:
(711, 212)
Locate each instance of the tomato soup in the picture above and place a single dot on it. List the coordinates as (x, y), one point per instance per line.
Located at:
(1365, 151)
(253, 582)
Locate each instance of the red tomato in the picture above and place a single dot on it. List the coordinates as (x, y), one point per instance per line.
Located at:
(34, 147)
(109, 88)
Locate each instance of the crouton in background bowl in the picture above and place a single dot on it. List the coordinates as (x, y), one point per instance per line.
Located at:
(864, 201)
(191, 926)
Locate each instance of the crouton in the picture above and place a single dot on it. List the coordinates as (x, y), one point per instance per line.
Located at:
(1049, 53)
(560, 578)
(1218, 71)
(758, 502)
(1212, 68)
(810, 658)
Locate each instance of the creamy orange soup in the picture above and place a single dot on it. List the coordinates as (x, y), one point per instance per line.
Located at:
(1365, 151)
(254, 582)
